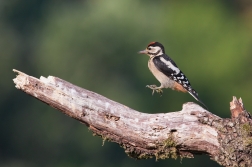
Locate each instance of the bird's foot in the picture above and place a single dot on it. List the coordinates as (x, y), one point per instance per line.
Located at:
(152, 87)
(155, 88)
(159, 91)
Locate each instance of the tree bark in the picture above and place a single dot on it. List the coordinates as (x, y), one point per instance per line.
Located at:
(193, 130)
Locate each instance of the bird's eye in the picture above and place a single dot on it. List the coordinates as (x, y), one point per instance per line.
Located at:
(149, 48)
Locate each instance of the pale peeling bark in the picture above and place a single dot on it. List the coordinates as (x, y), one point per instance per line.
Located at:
(193, 130)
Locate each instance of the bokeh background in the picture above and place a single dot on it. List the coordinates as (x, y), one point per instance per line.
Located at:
(94, 45)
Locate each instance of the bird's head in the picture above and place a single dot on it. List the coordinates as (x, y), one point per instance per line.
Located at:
(153, 49)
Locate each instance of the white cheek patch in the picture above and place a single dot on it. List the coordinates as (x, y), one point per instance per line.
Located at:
(170, 65)
(156, 49)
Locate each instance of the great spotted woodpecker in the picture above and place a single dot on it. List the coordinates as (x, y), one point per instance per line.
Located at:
(166, 71)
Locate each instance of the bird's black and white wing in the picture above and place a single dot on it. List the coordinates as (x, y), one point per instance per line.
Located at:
(168, 67)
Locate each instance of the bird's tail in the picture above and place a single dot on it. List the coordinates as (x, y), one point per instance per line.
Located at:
(195, 95)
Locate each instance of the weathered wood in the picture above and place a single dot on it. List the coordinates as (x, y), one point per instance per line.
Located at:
(193, 130)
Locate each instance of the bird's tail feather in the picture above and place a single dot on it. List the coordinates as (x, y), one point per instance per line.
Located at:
(194, 94)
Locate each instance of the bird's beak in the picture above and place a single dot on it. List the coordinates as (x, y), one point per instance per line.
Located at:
(143, 52)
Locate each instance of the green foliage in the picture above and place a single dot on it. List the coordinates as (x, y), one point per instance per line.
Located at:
(94, 44)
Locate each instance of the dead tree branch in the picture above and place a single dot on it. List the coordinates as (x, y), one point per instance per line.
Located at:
(193, 130)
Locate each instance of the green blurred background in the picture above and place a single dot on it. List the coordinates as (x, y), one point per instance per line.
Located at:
(94, 45)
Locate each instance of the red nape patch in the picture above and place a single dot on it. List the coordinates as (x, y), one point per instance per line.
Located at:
(151, 43)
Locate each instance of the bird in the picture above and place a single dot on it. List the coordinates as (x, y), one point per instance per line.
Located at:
(167, 72)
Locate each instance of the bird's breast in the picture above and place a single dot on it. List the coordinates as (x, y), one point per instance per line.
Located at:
(165, 81)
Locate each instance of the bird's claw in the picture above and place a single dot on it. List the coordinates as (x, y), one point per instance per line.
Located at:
(160, 91)
(154, 88)
(151, 86)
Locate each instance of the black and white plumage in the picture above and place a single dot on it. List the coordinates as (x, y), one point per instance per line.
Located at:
(166, 71)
